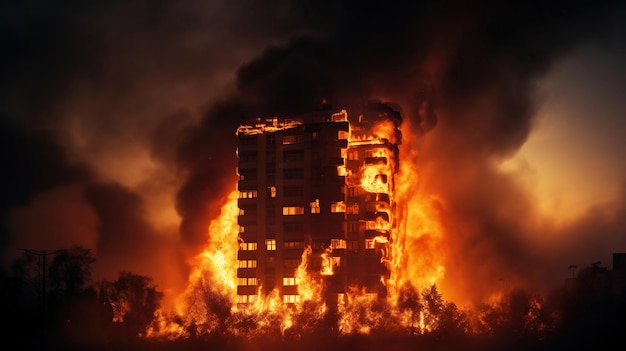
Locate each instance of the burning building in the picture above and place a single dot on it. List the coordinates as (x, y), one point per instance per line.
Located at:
(316, 200)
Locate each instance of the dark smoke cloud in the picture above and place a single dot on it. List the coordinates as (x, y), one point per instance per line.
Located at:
(140, 101)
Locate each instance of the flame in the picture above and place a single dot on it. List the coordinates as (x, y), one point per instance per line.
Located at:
(410, 224)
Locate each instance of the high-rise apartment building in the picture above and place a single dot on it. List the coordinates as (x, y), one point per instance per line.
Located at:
(320, 181)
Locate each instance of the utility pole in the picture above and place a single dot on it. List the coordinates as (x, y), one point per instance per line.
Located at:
(42, 256)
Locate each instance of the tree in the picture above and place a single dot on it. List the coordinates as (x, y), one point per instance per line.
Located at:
(135, 300)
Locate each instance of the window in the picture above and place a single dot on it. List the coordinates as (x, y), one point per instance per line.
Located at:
(338, 207)
(270, 244)
(369, 244)
(354, 191)
(247, 174)
(269, 263)
(342, 135)
(293, 173)
(291, 298)
(247, 141)
(247, 157)
(293, 139)
(247, 246)
(293, 210)
(246, 281)
(341, 170)
(271, 140)
(270, 211)
(337, 244)
(247, 264)
(293, 227)
(270, 231)
(352, 209)
(293, 191)
(271, 175)
(290, 281)
(242, 212)
(353, 155)
(353, 227)
(291, 263)
(353, 245)
(270, 156)
(271, 191)
(293, 245)
(246, 298)
(248, 194)
(315, 206)
(293, 155)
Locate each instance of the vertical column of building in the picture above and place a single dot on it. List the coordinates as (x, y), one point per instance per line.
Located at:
(248, 219)
(372, 160)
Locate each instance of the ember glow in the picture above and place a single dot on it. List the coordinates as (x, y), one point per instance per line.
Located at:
(218, 148)
(358, 309)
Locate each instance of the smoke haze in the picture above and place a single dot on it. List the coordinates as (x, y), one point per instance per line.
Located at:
(118, 122)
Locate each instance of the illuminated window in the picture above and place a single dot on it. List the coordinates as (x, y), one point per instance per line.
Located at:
(290, 281)
(293, 139)
(369, 244)
(291, 298)
(247, 263)
(248, 194)
(246, 281)
(271, 191)
(337, 244)
(242, 212)
(247, 246)
(338, 207)
(270, 244)
(293, 210)
(246, 298)
(342, 135)
(335, 261)
(353, 155)
(341, 170)
(315, 206)
(250, 228)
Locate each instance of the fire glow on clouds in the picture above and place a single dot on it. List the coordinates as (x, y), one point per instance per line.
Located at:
(118, 123)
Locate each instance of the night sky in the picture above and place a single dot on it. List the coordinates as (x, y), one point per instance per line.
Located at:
(118, 120)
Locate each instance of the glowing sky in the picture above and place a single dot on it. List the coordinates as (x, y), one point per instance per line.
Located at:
(118, 122)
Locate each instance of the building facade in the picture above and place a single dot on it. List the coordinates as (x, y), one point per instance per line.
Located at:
(320, 183)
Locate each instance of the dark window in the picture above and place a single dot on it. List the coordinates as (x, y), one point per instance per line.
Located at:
(271, 140)
(247, 157)
(293, 155)
(247, 141)
(293, 227)
(293, 173)
(293, 191)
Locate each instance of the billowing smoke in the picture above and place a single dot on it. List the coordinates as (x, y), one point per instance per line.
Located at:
(118, 120)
